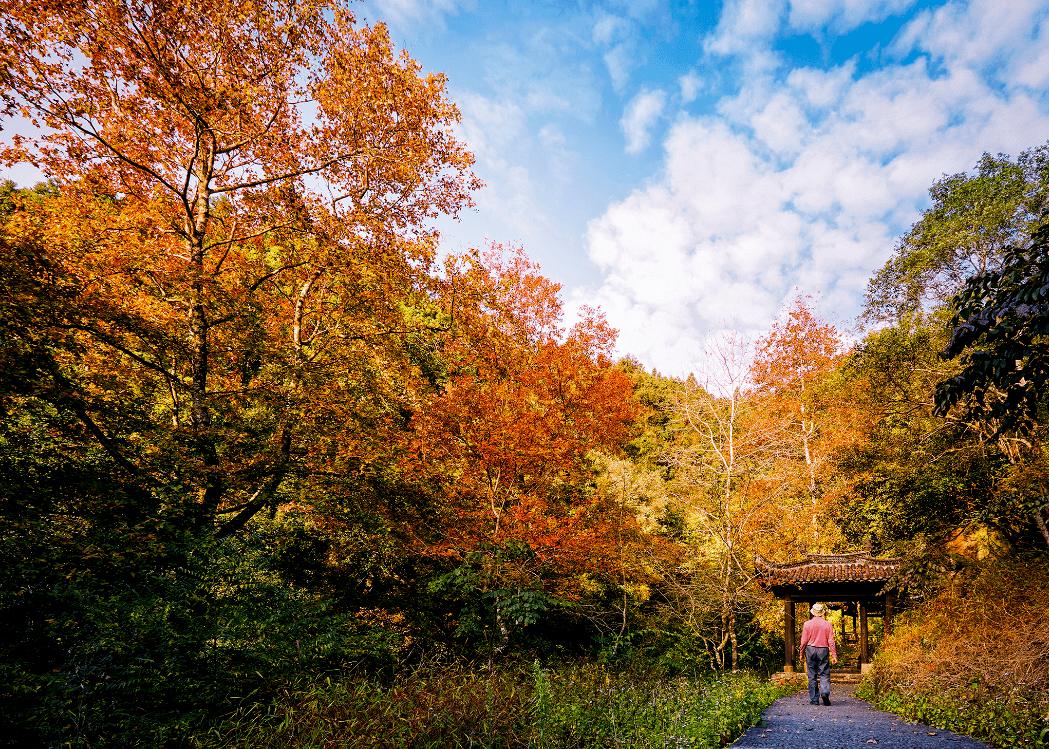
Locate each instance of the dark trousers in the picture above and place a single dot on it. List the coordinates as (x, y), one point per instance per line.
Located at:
(817, 666)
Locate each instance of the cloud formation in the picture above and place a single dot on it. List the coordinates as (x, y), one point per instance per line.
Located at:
(640, 115)
(408, 12)
(841, 16)
(803, 178)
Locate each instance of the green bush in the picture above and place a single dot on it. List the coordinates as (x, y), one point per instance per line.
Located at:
(148, 659)
(1004, 719)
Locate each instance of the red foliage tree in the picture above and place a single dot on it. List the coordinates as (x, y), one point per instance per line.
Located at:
(795, 374)
(523, 403)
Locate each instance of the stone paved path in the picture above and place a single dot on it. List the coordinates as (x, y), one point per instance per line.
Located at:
(793, 723)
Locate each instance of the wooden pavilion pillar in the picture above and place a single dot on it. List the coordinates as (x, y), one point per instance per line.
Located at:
(890, 606)
(788, 635)
(865, 648)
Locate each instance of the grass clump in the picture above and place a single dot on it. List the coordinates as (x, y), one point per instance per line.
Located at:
(456, 706)
(974, 657)
(595, 709)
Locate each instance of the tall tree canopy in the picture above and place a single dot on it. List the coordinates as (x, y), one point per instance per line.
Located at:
(1001, 324)
(240, 247)
(972, 220)
(795, 375)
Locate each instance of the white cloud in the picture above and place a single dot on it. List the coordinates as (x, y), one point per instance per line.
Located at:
(842, 15)
(980, 34)
(822, 89)
(620, 61)
(641, 114)
(623, 56)
(691, 86)
(408, 12)
(781, 125)
(804, 180)
(742, 22)
(609, 29)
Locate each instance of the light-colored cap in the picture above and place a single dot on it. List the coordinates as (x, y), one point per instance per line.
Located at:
(817, 609)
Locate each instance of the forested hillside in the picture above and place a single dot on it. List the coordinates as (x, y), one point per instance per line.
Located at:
(261, 433)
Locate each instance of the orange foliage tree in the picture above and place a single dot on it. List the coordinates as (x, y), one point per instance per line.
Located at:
(241, 230)
(795, 376)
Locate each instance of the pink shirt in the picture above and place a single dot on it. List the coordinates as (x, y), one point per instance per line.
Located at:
(819, 633)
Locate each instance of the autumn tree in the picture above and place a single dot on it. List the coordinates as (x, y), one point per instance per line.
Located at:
(524, 400)
(245, 190)
(795, 376)
(972, 220)
(724, 479)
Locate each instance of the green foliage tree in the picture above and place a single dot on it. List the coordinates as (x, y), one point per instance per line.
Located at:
(926, 474)
(653, 430)
(1001, 324)
(922, 483)
(972, 220)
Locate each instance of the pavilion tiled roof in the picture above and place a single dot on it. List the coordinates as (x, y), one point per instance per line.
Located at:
(827, 568)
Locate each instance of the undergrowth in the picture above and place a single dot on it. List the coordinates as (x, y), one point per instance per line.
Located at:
(974, 657)
(1014, 719)
(455, 706)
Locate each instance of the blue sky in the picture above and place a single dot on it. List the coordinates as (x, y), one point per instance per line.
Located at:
(691, 166)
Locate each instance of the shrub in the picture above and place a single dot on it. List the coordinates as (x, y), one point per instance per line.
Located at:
(147, 660)
(974, 657)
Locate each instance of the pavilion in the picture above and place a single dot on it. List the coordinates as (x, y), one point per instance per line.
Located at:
(854, 583)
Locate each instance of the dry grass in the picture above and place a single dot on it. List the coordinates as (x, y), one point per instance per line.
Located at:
(455, 707)
(974, 658)
(990, 626)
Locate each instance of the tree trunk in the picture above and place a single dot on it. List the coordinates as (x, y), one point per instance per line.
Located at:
(732, 638)
(1039, 520)
(199, 343)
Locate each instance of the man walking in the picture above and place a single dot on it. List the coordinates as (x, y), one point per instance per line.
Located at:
(817, 648)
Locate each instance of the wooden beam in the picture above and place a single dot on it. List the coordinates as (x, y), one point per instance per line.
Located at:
(830, 591)
(865, 646)
(788, 635)
(890, 610)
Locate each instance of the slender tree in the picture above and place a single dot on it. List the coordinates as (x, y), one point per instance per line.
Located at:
(795, 376)
(724, 482)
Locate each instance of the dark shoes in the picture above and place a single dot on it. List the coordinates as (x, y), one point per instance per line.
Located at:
(814, 702)
(826, 699)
